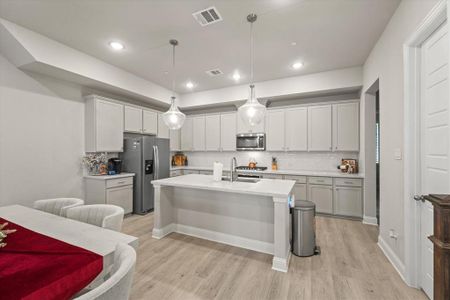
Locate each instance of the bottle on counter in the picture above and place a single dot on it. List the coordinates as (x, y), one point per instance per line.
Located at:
(274, 164)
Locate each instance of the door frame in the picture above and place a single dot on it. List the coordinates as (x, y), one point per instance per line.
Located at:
(411, 140)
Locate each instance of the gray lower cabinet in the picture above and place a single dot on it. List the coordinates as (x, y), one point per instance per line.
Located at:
(300, 192)
(205, 172)
(110, 190)
(187, 172)
(322, 196)
(348, 201)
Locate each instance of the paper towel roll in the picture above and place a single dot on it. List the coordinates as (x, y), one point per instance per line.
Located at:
(218, 168)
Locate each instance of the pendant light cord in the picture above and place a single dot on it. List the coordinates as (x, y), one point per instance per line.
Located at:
(173, 71)
(251, 53)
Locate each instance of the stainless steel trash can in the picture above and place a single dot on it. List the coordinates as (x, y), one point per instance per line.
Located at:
(304, 228)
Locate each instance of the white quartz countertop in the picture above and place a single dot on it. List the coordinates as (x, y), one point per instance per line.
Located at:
(264, 187)
(107, 177)
(281, 172)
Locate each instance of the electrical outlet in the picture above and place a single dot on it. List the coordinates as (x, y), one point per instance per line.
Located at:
(398, 154)
(392, 234)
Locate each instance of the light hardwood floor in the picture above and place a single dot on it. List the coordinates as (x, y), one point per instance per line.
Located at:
(351, 266)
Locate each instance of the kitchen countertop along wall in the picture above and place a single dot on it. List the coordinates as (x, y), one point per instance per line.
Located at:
(280, 172)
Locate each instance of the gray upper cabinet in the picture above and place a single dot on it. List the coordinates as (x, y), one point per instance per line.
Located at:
(198, 133)
(319, 128)
(212, 133)
(132, 119)
(228, 132)
(275, 132)
(104, 125)
(346, 127)
(186, 135)
(296, 132)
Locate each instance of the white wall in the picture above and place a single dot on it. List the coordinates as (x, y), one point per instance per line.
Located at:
(41, 137)
(386, 63)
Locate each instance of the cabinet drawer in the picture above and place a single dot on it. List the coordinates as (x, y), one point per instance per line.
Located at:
(187, 172)
(320, 180)
(119, 182)
(348, 182)
(299, 179)
(205, 172)
(272, 176)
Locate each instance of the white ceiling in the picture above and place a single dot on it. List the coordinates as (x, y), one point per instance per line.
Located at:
(330, 34)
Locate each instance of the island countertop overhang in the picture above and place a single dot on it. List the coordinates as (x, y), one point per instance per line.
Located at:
(265, 187)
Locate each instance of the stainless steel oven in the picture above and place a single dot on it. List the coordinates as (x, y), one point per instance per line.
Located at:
(251, 142)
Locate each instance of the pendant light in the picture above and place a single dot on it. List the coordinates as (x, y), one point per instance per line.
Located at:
(173, 118)
(252, 112)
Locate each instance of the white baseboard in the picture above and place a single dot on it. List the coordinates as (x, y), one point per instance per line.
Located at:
(392, 257)
(281, 264)
(160, 233)
(370, 220)
(224, 238)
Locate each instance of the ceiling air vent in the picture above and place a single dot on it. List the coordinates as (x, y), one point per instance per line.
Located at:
(215, 72)
(207, 16)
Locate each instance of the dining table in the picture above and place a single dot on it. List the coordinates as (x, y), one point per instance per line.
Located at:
(53, 257)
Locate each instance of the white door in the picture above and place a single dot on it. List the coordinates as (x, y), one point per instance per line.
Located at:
(150, 122)
(228, 132)
(319, 128)
(275, 130)
(346, 127)
(186, 135)
(132, 119)
(212, 133)
(435, 133)
(296, 129)
(198, 133)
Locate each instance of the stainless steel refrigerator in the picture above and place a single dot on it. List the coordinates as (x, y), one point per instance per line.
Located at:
(147, 157)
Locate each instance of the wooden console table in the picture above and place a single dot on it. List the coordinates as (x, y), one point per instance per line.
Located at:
(441, 242)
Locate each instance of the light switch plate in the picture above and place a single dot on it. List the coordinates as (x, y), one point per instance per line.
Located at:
(398, 153)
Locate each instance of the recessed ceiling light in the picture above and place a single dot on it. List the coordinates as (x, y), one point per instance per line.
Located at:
(116, 45)
(294, 44)
(189, 85)
(236, 76)
(297, 65)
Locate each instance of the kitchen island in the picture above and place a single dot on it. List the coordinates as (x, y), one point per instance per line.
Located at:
(251, 215)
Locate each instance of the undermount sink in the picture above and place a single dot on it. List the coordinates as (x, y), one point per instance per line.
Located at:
(242, 179)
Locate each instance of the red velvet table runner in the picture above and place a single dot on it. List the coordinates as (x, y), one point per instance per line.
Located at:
(35, 266)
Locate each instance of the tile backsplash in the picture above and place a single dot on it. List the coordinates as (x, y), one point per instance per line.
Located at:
(317, 161)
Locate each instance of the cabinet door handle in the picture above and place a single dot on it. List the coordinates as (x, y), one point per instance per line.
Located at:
(121, 182)
(348, 182)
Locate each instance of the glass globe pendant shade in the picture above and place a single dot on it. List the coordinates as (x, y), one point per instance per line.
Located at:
(174, 118)
(252, 112)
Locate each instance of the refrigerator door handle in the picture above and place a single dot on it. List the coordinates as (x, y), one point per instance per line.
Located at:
(156, 162)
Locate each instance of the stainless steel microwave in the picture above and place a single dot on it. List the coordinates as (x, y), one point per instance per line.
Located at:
(251, 142)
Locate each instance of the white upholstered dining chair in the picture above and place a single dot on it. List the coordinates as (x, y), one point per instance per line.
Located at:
(118, 286)
(57, 206)
(103, 215)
